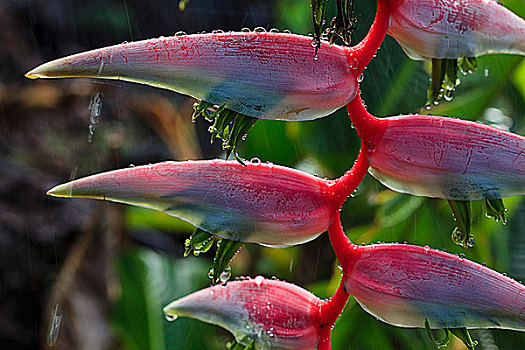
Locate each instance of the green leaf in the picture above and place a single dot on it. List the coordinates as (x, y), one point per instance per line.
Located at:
(228, 125)
(462, 211)
(226, 249)
(148, 281)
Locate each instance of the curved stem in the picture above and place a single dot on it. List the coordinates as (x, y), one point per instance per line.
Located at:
(343, 246)
(368, 127)
(324, 342)
(346, 184)
(332, 308)
(368, 47)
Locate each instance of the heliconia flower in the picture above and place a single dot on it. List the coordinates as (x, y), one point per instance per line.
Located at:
(260, 202)
(455, 28)
(271, 313)
(442, 157)
(403, 285)
(259, 74)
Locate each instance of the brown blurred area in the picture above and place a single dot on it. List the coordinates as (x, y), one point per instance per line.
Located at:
(55, 255)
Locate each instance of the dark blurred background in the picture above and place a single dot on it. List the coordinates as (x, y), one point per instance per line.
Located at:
(79, 274)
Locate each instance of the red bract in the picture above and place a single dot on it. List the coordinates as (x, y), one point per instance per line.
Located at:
(261, 203)
(271, 313)
(259, 74)
(403, 285)
(456, 28)
(442, 157)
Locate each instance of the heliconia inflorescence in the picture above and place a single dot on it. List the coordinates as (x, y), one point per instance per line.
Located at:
(450, 29)
(284, 76)
(269, 313)
(405, 285)
(441, 157)
(260, 202)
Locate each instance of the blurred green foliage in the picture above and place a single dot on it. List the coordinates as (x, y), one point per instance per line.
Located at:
(327, 147)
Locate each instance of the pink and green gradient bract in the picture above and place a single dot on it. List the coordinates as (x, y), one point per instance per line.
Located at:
(263, 75)
(275, 314)
(456, 28)
(448, 158)
(441, 157)
(403, 285)
(260, 202)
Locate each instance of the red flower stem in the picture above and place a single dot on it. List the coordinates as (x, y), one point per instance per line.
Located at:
(344, 186)
(324, 342)
(345, 250)
(368, 127)
(367, 48)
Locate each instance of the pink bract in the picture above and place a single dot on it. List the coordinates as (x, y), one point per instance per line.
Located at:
(274, 314)
(262, 75)
(456, 28)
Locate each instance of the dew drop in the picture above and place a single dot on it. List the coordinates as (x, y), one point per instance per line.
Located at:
(95, 107)
(170, 318)
(255, 161)
(225, 275)
(287, 31)
(54, 325)
(274, 30)
(180, 33)
(353, 64)
(259, 280)
(426, 248)
(245, 30)
(361, 78)
(259, 30)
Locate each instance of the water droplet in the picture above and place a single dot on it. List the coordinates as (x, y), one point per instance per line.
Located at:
(259, 30)
(245, 30)
(225, 275)
(287, 31)
(255, 161)
(361, 78)
(352, 63)
(462, 255)
(180, 33)
(210, 274)
(470, 242)
(170, 318)
(54, 325)
(486, 72)
(259, 280)
(132, 165)
(426, 248)
(95, 107)
(274, 30)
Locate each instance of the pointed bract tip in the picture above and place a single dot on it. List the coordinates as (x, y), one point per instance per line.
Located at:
(61, 191)
(33, 74)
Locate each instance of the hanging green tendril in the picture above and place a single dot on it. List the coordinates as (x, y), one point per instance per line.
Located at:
(462, 211)
(229, 126)
(444, 77)
(343, 25)
(461, 333)
(495, 208)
